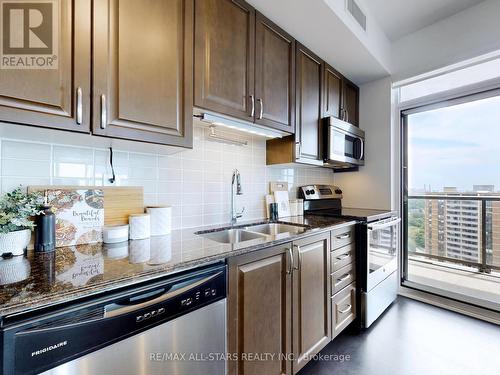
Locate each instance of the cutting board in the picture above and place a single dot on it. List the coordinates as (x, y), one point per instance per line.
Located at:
(119, 201)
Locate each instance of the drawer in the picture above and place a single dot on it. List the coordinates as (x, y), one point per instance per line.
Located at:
(343, 309)
(342, 257)
(343, 277)
(342, 237)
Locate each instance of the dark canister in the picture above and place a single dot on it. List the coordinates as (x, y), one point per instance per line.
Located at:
(273, 211)
(45, 230)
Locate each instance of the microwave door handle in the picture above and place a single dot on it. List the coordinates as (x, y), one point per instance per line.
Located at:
(362, 152)
(383, 225)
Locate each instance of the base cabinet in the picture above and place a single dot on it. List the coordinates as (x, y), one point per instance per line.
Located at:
(259, 311)
(311, 298)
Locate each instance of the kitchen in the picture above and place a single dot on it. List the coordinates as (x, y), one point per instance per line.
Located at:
(231, 187)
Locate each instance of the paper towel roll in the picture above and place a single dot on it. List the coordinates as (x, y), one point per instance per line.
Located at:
(140, 226)
(161, 220)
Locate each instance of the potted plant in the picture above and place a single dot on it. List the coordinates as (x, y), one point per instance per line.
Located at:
(16, 210)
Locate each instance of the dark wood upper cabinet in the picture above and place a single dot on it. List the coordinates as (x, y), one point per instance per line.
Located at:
(274, 76)
(224, 57)
(54, 98)
(308, 104)
(332, 92)
(350, 94)
(259, 310)
(311, 309)
(143, 62)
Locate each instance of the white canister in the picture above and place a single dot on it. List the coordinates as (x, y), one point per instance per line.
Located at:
(139, 226)
(161, 220)
(114, 233)
(14, 270)
(140, 251)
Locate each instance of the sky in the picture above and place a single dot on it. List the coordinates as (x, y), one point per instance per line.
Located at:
(455, 146)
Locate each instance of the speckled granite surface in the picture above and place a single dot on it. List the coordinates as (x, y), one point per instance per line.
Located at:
(39, 280)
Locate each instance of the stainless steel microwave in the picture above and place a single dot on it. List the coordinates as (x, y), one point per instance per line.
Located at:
(345, 145)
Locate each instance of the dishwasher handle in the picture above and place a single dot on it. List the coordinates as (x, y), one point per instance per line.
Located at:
(133, 304)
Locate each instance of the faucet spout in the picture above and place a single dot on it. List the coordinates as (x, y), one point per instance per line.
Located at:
(235, 190)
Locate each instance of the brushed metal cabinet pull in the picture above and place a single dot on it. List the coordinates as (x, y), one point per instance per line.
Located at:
(104, 114)
(252, 111)
(347, 115)
(346, 309)
(299, 257)
(261, 113)
(344, 277)
(343, 256)
(79, 114)
(343, 236)
(290, 268)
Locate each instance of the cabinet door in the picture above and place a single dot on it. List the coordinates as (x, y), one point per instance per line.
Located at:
(259, 310)
(54, 98)
(311, 298)
(308, 105)
(332, 92)
(224, 57)
(274, 76)
(143, 70)
(351, 102)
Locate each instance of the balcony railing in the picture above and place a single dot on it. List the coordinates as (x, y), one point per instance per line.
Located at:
(486, 260)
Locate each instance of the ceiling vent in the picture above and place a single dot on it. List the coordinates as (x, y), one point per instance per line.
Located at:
(355, 11)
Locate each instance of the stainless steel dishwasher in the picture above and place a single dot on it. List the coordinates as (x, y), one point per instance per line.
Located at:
(174, 326)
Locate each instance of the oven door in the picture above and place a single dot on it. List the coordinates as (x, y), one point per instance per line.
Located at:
(383, 246)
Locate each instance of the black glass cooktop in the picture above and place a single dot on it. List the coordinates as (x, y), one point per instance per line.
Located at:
(365, 214)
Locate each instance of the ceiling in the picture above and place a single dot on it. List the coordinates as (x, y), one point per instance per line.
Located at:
(402, 17)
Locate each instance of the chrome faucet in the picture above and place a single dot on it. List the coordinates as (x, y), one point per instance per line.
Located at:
(236, 179)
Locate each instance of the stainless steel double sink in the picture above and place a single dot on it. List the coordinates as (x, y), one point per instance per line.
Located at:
(267, 231)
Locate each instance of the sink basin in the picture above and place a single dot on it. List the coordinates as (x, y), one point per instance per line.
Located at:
(273, 229)
(232, 236)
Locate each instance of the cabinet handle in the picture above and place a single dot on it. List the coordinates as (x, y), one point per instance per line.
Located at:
(343, 256)
(347, 115)
(345, 310)
(342, 114)
(290, 268)
(299, 257)
(103, 112)
(261, 113)
(252, 111)
(79, 114)
(297, 150)
(343, 236)
(344, 277)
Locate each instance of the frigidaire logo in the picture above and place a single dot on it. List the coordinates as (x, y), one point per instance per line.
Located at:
(29, 37)
(49, 348)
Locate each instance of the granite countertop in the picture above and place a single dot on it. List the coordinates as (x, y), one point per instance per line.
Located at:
(39, 280)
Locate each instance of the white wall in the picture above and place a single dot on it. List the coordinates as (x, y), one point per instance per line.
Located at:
(195, 182)
(371, 187)
(468, 34)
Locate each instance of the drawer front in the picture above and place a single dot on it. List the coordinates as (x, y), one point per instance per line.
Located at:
(342, 257)
(343, 277)
(342, 237)
(343, 309)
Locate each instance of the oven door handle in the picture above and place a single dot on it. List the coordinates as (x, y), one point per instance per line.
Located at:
(385, 224)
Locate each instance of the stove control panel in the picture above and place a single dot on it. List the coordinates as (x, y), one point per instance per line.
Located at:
(316, 192)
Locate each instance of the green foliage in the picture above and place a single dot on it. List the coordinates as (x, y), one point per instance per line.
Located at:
(416, 227)
(16, 209)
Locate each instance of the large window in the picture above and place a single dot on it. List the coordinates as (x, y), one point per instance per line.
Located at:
(451, 187)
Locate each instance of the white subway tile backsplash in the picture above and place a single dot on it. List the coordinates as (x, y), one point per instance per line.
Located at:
(25, 150)
(196, 183)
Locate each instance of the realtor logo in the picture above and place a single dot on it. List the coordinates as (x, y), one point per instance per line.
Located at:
(29, 34)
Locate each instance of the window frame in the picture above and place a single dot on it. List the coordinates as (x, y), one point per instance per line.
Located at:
(465, 94)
